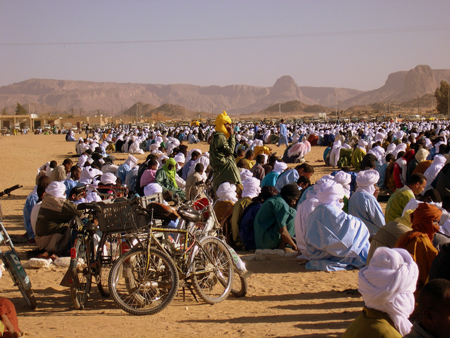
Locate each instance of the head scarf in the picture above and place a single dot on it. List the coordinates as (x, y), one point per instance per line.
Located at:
(108, 178)
(422, 219)
(227, 192)
(246, 174)
(330, 193)
(251, 187)
(152, 188)
(179, 158)
(388, 283)
(344, 179)
(279, 167)
(290, 192)
(131, 161)
(56, 189)
(171, 173)
(88, 174)
(221, 120)
(366, 180)
(421, 155)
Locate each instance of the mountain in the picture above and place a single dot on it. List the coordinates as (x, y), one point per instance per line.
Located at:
(88, 98)
(403, 86)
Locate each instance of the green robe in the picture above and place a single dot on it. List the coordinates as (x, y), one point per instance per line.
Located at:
(163, 180)
(222, 162)
(357, 158)
(345, 156)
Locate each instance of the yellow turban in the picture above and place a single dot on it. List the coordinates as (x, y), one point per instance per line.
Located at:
(221, 120)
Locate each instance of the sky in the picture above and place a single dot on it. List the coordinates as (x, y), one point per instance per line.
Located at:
(340, 43)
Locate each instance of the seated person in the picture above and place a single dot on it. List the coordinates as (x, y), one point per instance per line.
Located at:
(390, 159)
(419, 241)
(248, 160)
(434, 311)
(192, 184)
(292, 175)
(226, 198)
(387, 287)
(271, 178)
(274, 222)
(9, 325)
(364, 204)
(149, 175)
(166, 178)
(246, 228)
(268, 167)
(258, 170)
(239, 155)
(334, 240)
(251, 190)
(52, 228)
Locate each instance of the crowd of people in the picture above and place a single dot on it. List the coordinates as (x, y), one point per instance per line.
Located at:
(266, 200)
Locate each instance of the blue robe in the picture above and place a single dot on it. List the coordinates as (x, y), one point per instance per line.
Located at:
(69, 184)
(335, 240)
(365, 206)
(287, 177)
(270, 179)
(122, 172)
(30, 202)
(303, 196)
(246, 227)
(283, 135)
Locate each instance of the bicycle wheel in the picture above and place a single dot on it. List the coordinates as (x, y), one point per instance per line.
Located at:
(239, 287)
(139, 290)
(27, 294)
(110, 247)
(85, 255)
(212, 275)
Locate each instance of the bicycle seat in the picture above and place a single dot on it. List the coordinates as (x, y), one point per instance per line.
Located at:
(92, 205)
(189, 214)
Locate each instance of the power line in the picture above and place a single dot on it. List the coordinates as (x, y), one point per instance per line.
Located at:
(254, 37)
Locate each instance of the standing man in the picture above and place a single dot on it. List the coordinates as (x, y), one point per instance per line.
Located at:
(283, 134)
(223, 143)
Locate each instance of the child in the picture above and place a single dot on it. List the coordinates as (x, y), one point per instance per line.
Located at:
(258, 170)
(149, 175)
(383, 171)
(192, 188)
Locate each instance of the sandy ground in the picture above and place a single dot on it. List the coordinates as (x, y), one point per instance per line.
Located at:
(284, 299)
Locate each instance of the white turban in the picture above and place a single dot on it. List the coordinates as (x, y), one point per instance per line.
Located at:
(246, 174)
(421, 155)
(88, 174)
(366, 180)
(252, 187)
(279, 167)
(152, 188)
(108, 178)
(388, 283)
(227, 192)
(344, 179)
(330, 193)
(390, 148)
(56, 189)
(362, 144)
(180, 158)
(131, 161)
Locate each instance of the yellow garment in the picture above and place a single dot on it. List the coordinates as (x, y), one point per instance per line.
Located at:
(262, 150)
(221, 120)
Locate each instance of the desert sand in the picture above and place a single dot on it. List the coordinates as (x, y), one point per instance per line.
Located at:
(284, 299)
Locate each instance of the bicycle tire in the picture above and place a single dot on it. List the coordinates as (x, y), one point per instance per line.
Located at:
(27, 294)
(213, 285)
(113, 252)
(80, 294)
(240, 285)
(141, 292)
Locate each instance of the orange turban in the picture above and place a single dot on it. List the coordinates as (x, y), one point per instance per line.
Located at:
(422, 219)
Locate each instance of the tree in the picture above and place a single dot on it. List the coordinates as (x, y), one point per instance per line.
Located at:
(20, 110)
(441, 95)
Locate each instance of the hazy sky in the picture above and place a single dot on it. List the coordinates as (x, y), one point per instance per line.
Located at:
(353, 44)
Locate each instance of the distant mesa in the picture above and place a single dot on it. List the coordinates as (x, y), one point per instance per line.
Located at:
(187, 101)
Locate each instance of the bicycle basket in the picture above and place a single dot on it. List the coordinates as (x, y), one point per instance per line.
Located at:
(154, 198)
(119, 217)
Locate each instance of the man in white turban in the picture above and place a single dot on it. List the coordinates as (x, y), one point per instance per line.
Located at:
(52, 228)
(387, 287)
(334, 239)
(364, 204)
(126, 167)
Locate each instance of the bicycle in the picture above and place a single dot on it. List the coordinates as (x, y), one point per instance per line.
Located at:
(145, 280)
(12, 262)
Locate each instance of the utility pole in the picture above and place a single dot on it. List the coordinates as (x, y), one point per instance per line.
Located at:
(279, 110)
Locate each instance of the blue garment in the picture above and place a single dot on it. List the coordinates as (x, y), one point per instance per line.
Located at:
(303, 196)
(122, 172)
(325, 153)
(192, 139)
(30, 202)
(273, 215)
(69, 184)
(287, 177)
(283, 135)
(270, 179)
(382, 171)
(432, 154)
(335, 240)
(246, 227)
(365, 206)
(185, 170)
